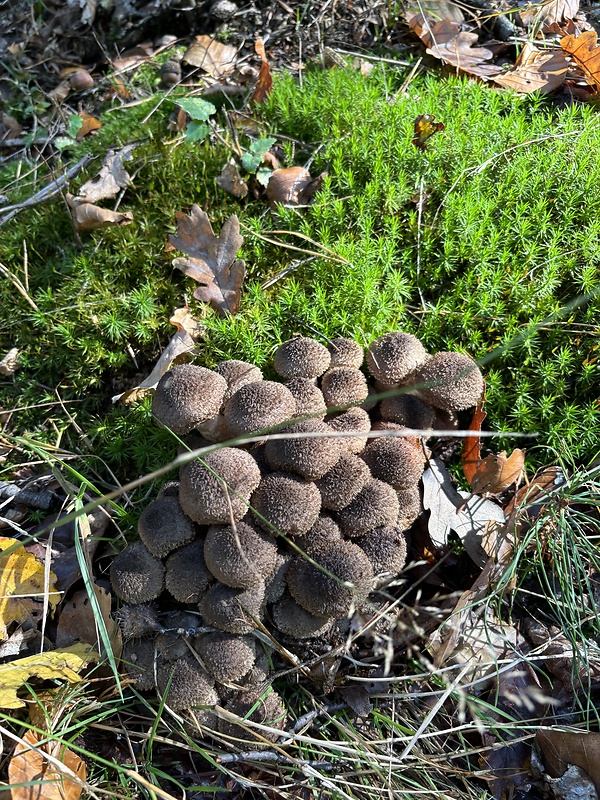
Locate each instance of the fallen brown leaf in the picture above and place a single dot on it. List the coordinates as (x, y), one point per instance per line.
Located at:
(436, 9)
(88, 217)
(109, 181)
(585, 52)
(211, 56)
(425, 127)
(135, 55)
(89, 124)
(535, 71)
(60, 92)
(563, 748)
(557, 655)
(264, 86)
(28, 765)
(471, 449)
(497, 472)
(77, 621)
(550, 12)
(10, 362)
(231, 181)
(293, 186)
(213, 262)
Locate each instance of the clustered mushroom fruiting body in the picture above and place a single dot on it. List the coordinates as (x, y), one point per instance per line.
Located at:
(285, 535)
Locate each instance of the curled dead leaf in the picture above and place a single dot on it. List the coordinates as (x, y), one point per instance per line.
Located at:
(560, 749)
(535, 71)
(88, 217)
(211, 56)
(10, 362)
(585, 52)
(471, 450)
(109, 181)
(293, 186)
(89, 124)
(231, 181)
(264, 85)
(30, 765)
(549, 12)
(497, 472)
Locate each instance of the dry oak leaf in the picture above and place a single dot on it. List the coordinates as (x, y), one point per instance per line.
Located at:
(23, 586)
(77, 621)
(264, 86)
(231, 181)
(109, 181)
(55, 665)
(552, 11)
(535, 71)
(29, 765)
(585, 52)
(446, 41)
(497, 472)
(89, 217)
(560, 749)
(471, 449)
(436, 9)
(10, 362)
(213, 263)
(211, 56)
(292, 186)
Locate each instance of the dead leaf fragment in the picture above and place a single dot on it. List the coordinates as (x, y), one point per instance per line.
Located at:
(89, 217)
(89, 124)
(425, 127)
(497, 472)
(60, 92)
(29, 765)
(292, 186)
(560, 749)
(585, 52)
(264, 86)
(77, 621)
(109, 181)
(436, 9)
(550, 12)
(231, 181)
(535, 71)
(213, 263)
(10, 363)
(211, 56)
(471, 450)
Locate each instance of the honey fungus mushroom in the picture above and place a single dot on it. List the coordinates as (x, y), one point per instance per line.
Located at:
(309, 457)
(258, 406)
(394, 356)
(301, 357)
(286, 504)
(186, 396)
(450, 381)
(164, 527)
(136, 575)
(238, 556)
(218, 488)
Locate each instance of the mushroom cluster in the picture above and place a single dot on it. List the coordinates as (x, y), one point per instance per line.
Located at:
(284, 535)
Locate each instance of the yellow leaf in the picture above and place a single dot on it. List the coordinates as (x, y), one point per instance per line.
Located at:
(33, 765)
(55, 665)
(22, 585)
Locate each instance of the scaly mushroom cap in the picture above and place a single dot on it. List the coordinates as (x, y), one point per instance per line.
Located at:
(325, 596)
(309, 457)
(210, 500)
(394, 460)
(138, 660)
(186, 575)
(226, 657)
(239, 557)
(258, 406)
(376, 505)
(345, 353)
(354, 420)
(164, 527)
(232, 610)
(186, 396)
(138, 621)
(189, 684)
(407, 410)
(237, 374)
(324, 530)
(286, 504)
(301, 357)
(385, 548)
(393, 357)
(452, 381)
(344, 386)
(136, 575)
(293, 620)
(268, 710)
(343, 482)
(275, 582)
(309, 398)
(411, 506)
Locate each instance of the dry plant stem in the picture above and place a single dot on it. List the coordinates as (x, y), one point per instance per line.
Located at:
(325, 250)
(273, 757)
(16, 282)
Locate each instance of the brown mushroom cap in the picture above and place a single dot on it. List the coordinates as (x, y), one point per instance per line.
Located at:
(376, 505)
(301, 357)
(226, 657)
(138, 660)
(344, 386)
(345, 353)
(325, 596)
(185, 684)
(263, 708)
(164, 527)
(138, 621)
(407, 410)
(293, 620)
(309, 457)
(210, 500)
(324, 530)
(239, 557)
(275, 582)
(232, 610)
(393, 357)
(450, 381)
(258, 406)
(385, 548)
(237, 374)
(286, 504)
(343, 482)
(136, 575)
(411, 506)
(354, 420)
(309, 398)
(186, 575)
(394, 460)
(186, 396)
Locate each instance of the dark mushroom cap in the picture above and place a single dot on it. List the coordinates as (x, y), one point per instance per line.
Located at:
(203, 495)
(190, 685)
(286, 504)
(322, 595)
(376, 505)
(258, 406)
(309, 398)
(136, 575)
(226, 657)
(232, 610)
(138, 660)
(171, 645)
(308, 457)
(215, 430)
(445, 420)
(186, 575)
(293, 620)
(187, 395)
(239, 557)
(324, 530)
(354, 420)
(453, 381)
(301, 358)
(344, 386)
(138, 621)
(237, 374)
(343, 482)
(393, 357)
(385, 548)
(171, 488)
(345, 353)
(164, 527)
(411, 506)
(394, 460)
(268, 710)
(407, 410)
(275, 582)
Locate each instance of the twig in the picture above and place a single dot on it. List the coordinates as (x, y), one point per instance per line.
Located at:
(276, 758)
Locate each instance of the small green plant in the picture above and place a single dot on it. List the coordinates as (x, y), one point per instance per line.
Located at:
(252, 158)
(200, 111)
